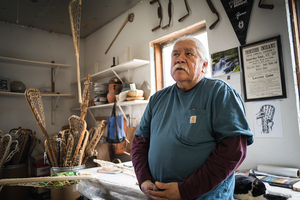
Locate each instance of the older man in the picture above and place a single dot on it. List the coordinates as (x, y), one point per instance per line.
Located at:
(193, 135)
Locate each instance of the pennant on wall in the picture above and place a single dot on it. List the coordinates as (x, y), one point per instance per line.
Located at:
(238, 12)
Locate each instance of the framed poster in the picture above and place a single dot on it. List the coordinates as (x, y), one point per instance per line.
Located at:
(4, 84)
(263, 74)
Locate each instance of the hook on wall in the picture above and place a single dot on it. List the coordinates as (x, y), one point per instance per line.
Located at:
(159, 13)
(187, 8)
(212, 8)
(170, 15)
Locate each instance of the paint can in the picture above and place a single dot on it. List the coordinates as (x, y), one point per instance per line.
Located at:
(68, 192)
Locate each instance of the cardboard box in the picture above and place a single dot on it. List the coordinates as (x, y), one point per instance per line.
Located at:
(38, 168)
(40, 193)
(15, 192)
(40, 171)
(40, 196)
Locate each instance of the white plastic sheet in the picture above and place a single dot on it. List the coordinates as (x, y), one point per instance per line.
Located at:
(119, 186)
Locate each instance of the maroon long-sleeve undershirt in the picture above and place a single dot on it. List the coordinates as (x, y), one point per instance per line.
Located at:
(224, 160)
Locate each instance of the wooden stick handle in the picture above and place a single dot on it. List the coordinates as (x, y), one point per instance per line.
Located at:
(130, 19)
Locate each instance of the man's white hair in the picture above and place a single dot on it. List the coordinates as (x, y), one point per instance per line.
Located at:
(200, 47)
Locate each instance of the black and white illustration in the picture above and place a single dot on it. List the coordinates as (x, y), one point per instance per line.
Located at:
(267, 119)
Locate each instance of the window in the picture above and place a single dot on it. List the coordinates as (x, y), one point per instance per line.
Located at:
(161, 46)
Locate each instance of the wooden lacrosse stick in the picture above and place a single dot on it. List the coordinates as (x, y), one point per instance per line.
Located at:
(1, 134)
(22, 136)
(47, 149)
(36, 181)
(92, 132)
(14, 148)
(55, 148)
(75, 17)
(81, 151)
(94, 141)
(62, 146)
(78, 127)
(129, 18)
(85, 96)
(34, 99)
(33, 143)
(68, 155)
(4, 148)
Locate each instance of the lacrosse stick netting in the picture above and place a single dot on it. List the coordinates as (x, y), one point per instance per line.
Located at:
(47, 182)
(75, 18)
(34, 99)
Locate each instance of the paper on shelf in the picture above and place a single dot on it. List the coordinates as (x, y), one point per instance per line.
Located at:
(281, 171)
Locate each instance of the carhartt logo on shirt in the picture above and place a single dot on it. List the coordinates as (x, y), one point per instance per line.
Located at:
(193, 119)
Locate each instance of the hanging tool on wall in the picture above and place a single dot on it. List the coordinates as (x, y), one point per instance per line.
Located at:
(170, 15)
(129, 18)
(187, 8)
(265, 6)
(159, 13)
(212, 8)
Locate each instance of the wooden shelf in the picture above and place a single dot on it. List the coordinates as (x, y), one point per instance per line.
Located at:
(33, 63)
(43, 95)
(124, 103)
(118, 69)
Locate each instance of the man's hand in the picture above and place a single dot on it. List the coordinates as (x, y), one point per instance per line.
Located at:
(148, 186)
(163, 191)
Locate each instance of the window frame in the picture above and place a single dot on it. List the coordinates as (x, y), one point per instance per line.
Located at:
(294, 7)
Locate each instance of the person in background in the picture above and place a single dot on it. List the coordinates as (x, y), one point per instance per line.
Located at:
(193, 135)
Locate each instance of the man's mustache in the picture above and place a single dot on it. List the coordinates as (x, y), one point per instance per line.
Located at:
(181, 66)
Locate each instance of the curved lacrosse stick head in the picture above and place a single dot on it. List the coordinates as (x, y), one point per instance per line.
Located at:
(90, 149)
(22, 136)
(34, 99)
(78, 128)
(4, 148)
(14, 148)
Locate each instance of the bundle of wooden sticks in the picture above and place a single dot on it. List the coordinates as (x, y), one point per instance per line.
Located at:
(73, 146)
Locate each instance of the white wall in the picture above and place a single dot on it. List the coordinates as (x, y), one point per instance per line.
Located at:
(263, 24)
(37, 45)
(40, 45)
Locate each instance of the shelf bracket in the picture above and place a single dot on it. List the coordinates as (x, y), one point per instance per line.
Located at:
(54, 105)
(92, 115)
(55, 73)
(117, 75)
(53, 77)
(123, 113)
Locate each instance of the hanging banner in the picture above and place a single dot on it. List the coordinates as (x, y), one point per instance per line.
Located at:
(238, 12)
